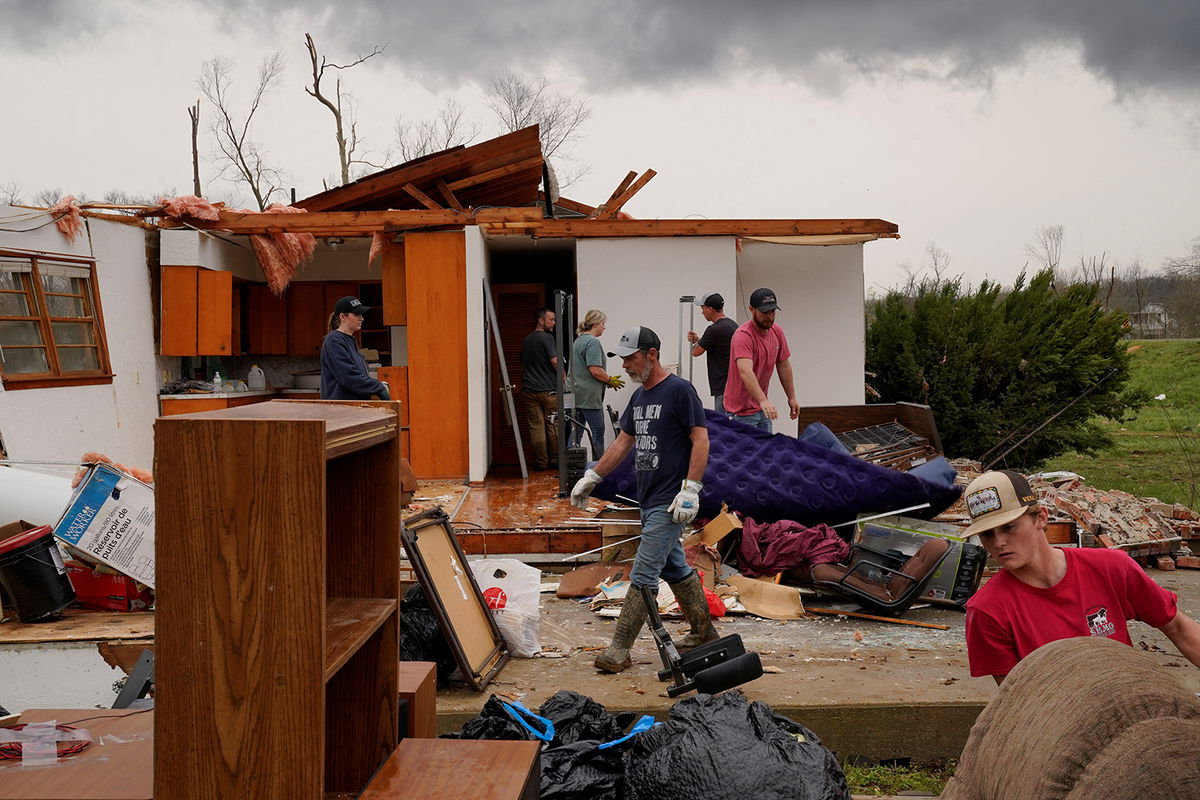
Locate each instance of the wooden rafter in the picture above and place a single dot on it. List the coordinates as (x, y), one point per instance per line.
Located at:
(621, 187)
(359, 223)
(448, 194)
(584, 228)
(422, 198)
(498, 172)
(611, 209)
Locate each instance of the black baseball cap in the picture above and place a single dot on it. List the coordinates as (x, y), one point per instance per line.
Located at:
(350, 305)
(634, 339)
(712, 300)
(763, 300)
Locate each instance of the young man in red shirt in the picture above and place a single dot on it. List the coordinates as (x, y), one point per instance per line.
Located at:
(1045, 593)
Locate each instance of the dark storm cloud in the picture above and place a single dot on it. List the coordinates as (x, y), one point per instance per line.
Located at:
(624, 43)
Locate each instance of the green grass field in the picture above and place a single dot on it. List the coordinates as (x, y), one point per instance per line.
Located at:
(1158, 452)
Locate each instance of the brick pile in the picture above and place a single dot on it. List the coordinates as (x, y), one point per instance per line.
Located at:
(1142, 526)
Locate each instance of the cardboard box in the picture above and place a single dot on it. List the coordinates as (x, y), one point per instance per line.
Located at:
(717, 529)
(107, 592)
(111, 519)
(959, 574)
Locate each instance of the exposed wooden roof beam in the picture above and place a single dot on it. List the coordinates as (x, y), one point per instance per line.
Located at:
(583, 228)
(421, 197)
(617, 192)
(498, 172)
(358, 223)
(610, 209)
(446, 193)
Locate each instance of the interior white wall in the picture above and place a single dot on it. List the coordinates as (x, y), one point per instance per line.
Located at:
(61, 423)
(478, 427)
(640, 281)
(820, 296)
(348, 262)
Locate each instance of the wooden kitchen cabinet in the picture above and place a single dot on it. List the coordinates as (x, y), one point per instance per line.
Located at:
(200, 313)
(307, 318)
(214, 313)
(266, 321)
(278, 599)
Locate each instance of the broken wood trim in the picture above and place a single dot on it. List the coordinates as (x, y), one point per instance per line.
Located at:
(617, 192)
(422, 198)
(857, 615)
(570, 205)
(615, 228)
(448, 194)
(611, 210)
(498, 172)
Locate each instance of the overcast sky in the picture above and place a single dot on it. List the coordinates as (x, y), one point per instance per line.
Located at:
(969, 124)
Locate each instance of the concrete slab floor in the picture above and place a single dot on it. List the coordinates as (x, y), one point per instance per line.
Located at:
(899, 692)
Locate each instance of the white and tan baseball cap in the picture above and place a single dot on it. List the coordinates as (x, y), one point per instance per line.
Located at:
(997, 498)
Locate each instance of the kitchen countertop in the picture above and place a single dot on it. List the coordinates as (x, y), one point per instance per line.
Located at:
(215, 395)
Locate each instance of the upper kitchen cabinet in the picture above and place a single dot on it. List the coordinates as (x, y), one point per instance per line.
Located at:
(200, 313)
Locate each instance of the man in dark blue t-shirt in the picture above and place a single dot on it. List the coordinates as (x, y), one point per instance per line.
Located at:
(664, 425)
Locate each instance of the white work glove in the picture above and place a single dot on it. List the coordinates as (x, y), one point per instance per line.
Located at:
(686, 504)
(583, 490)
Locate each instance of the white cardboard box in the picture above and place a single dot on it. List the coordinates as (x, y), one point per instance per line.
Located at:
(111, 518)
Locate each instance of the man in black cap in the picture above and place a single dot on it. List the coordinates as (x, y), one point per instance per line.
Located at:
(757, 349)
(664, 422)
(344, 373)
(715, 342)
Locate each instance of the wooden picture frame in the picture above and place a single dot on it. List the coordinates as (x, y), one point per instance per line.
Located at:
(457, 602)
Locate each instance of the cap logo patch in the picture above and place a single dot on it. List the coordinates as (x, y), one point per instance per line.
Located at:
(983, 502)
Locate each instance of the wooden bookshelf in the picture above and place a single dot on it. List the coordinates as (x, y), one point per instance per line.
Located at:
(277, 537)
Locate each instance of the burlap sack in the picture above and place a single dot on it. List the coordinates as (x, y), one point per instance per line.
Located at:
(1056, 712)
(1153, 759)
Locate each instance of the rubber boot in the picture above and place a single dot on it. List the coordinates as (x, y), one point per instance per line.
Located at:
(629, 624)
(690, 594)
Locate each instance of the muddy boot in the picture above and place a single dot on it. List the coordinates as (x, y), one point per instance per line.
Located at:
(690, 594)
(629, 624)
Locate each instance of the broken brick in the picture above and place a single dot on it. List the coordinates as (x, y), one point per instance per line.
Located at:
(1165, 563)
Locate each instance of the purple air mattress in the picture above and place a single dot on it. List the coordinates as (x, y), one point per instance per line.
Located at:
(778, 477)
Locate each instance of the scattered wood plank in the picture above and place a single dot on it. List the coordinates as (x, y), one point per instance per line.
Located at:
(858, 615)
(448, 194)
(617, 192)
(81, 626)
(498, 172)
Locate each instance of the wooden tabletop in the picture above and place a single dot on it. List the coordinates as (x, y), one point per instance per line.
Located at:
(117, 765)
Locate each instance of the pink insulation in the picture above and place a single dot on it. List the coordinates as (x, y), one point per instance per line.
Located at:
(70, 217)
(188, 205)
(281, 254)
(380, 243)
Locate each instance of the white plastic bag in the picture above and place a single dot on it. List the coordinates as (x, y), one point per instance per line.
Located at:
(512, 590)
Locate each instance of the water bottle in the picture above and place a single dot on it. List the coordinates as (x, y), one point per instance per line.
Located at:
(255, 379)
(216, 381)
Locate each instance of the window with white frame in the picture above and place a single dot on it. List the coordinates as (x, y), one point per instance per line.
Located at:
(51, 329)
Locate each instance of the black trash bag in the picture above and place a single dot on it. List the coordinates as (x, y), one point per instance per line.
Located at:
(421, 638)
(723, 746)
(579, 771)
(493, 722)
(577, 717)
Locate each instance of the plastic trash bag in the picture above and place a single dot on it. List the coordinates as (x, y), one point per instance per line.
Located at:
(581, 771)
(421, 638)
(512, 590)
(723, 746)
(577, 717)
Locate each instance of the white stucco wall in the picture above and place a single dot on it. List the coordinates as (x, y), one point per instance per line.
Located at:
(640, 281)
(820, 296)
(61, 423)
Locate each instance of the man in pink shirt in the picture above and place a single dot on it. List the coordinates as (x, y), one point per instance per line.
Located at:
(758, 347)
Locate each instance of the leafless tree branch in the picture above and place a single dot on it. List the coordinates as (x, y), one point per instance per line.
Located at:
(448, 128)
(341, 117)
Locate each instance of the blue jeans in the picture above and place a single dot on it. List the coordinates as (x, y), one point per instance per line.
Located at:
(758, 419)
(659, 553)
(594, 417)
(719, 403)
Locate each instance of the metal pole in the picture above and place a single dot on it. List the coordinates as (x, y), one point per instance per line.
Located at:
(506, 388)
(564, 305)
(685, 350)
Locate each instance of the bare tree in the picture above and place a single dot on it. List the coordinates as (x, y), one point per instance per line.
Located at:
(194, 114)
(519, 103)
(11, 194)
(238, 154)
(47, 197)
(343, 116)
(123, 198)
(445, 130)
(1183, 303)
(1046, 248)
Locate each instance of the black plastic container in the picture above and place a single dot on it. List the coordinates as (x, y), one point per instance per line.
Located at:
(34, 576)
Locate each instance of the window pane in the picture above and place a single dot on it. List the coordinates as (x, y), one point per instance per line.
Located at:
(73, 333)
(78, 359)
(11, 280)
(57, 283)
(25, 361)
(13, 333)
(13, 305)
(61, 306)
